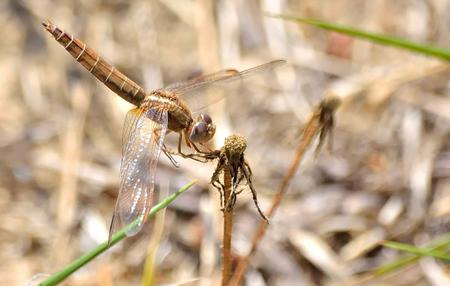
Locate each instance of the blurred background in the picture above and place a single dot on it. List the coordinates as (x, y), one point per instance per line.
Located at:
(387, 176)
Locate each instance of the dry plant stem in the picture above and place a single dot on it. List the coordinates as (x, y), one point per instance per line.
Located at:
(227, 228)
(307, 137)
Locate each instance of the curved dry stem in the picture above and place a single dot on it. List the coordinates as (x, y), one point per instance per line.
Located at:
(318, 125)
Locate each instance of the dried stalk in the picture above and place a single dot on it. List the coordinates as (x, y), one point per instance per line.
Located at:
(227, 228)
(236, 170)
(320, 124)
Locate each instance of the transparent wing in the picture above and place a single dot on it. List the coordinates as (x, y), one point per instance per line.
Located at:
(143, 138)
(199, 81)
(228, 75)
(225, 80)
(128, 127)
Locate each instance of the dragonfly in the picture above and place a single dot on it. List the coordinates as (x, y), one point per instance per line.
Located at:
(157, 113)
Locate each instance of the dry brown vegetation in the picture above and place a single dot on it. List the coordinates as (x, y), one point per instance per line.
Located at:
(386, 178)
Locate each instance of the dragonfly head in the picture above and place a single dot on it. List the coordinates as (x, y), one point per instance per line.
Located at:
(203, 129)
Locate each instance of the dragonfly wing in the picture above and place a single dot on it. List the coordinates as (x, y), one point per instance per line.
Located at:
(199, 81)
(143, 137)
(224, 81)
(129, 127)
(228, 75)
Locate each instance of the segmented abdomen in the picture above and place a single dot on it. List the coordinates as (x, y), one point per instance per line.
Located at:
(106, 73)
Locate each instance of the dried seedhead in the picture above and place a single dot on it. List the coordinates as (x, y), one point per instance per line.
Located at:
(231, 158)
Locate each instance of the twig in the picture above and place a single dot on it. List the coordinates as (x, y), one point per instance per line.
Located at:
(118, 236)
(227, 227)
(320, 124)
(232, 163)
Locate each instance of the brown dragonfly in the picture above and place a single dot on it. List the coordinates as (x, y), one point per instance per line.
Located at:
(158, 112)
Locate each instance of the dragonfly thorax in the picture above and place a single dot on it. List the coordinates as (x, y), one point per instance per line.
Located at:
(180, 116)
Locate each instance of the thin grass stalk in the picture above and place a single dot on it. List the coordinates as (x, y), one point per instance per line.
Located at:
(227, 229)
(424, 252)
(425, 49)
(400, 264)
(403, 262)
(307, 138)
(118, 236)
(148, 274)
(440, 246)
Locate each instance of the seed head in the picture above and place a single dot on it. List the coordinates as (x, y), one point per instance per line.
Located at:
(235, 145)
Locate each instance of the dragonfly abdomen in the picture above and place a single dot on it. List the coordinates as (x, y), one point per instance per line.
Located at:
(95, 64)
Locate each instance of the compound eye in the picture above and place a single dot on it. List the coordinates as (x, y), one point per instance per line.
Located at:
(206, 118)
(199, 132)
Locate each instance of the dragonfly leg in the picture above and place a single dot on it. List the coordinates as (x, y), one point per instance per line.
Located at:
(169, 153)
(166, 151)
(200, 151)
(200, 156)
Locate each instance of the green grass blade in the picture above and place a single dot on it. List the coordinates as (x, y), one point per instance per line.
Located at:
(118, 236)
(418, 251)
(425, 49)
(395, 265)
(440, 246)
